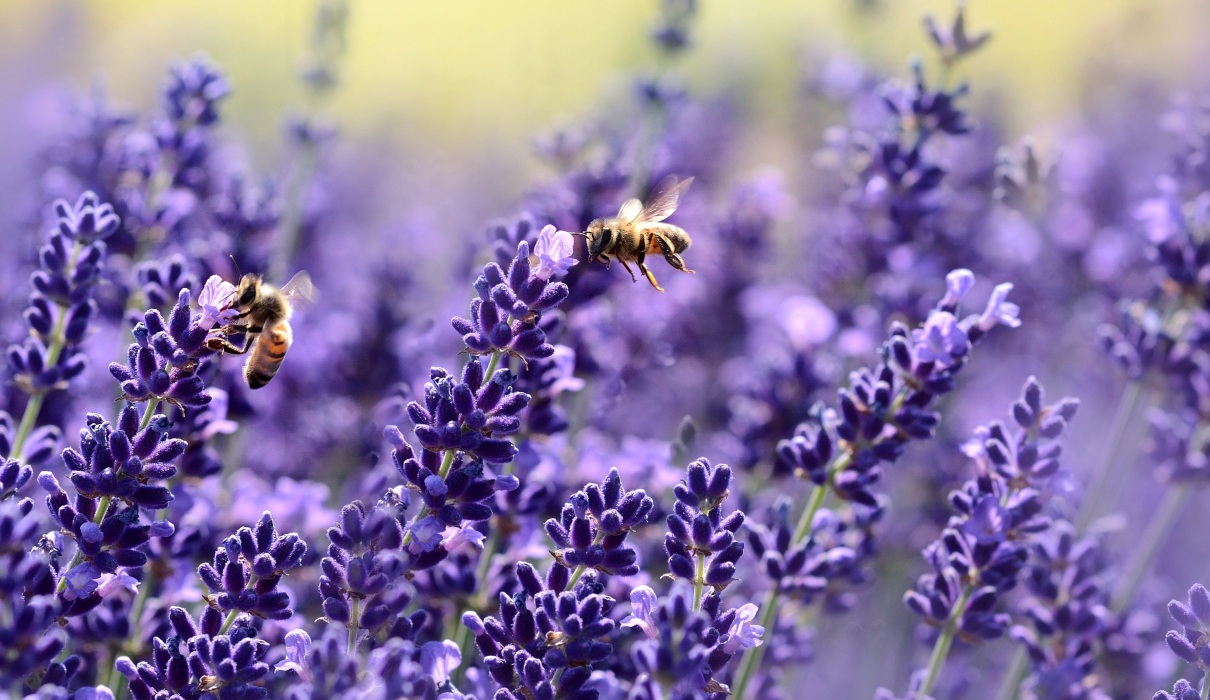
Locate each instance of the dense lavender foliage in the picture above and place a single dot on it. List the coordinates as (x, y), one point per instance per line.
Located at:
(822, 466)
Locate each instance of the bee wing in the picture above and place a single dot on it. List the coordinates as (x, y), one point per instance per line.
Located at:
(629, 212)
(299, 291)
(663, 199)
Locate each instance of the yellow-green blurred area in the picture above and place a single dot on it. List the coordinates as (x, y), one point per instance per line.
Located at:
(468, 76)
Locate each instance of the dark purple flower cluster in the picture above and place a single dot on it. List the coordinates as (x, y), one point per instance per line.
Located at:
(591, 531)
(886, 407)
(118, 472)
(546, 638)
(30, 639)
(61, 306)
(505, 316)
(1067, 616)
(981, 553)
(209, 658)
(248, 568)
(162, 363)
(471, 416)
(1192, 643)
(361, 585)
(701, 543)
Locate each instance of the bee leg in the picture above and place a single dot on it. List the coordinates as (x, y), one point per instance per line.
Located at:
(650, 277)
(605, 259)
(673, 259)
(632, 277)
(224, 345)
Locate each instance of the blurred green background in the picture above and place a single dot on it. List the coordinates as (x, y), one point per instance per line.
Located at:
(455, 77)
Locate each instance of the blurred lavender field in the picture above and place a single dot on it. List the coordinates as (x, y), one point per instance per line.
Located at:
(931, 418)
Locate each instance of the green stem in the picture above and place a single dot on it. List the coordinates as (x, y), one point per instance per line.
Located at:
(1142, 556)
(1093, 505)
(227, 622)
(699, 581)
(353, 625)
(1011, 685)
(493, 363)
(946, 640)
(58, 341)
(148, 412)
(1205, 689)
(768, 608)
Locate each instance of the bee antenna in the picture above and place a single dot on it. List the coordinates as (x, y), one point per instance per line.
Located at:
(579, 233)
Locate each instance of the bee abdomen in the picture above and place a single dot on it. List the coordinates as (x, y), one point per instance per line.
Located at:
(675, 236)
(267, 356)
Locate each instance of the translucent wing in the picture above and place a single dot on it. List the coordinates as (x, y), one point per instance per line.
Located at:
(663, 199)
(299, 291)
(630, 211)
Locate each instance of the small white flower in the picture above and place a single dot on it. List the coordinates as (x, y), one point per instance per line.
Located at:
(554, 250)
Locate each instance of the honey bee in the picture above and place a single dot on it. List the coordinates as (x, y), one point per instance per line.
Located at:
(264, 320)
(637, 232)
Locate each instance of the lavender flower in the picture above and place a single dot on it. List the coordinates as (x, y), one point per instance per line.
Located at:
(591, 531)
(246, 571)
(61, 306)
(505, 316)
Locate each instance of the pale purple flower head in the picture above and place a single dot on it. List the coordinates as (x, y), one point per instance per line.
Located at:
(642, 611)
(941, 340)
(463, 537)
(426, 534)
(744, 634)
(999, 310)
(216, 294)
(555, 252)
(298, 653)
(99, 692)
(439, 659)
(111, 584)
(82, 581)
(957, 284)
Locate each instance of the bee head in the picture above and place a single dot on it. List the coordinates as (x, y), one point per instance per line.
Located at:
(248, 290)
(597, 238)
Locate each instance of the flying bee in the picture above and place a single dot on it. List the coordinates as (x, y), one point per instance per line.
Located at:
(637, 231)
(263, 319)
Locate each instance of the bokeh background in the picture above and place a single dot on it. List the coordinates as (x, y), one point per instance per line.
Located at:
(438, 106)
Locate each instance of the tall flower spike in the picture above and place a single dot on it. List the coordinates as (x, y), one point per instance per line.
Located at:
(701, 543)
(61, 307)
(591, 531)
(504, 317)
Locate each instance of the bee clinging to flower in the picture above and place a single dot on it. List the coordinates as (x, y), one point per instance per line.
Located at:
(638, 231)
(262, 314)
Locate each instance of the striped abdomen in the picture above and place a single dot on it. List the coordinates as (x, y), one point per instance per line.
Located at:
(675, 236)
(267, 355)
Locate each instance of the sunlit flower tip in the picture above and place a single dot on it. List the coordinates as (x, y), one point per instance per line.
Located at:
(744, 634)
(462, 537)
(642, 611)
(216, 294)
(957, 284)
(999, 310)
(298, 653)
(439, 659)
(99, 692)
(555, 252)
(110, 584)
